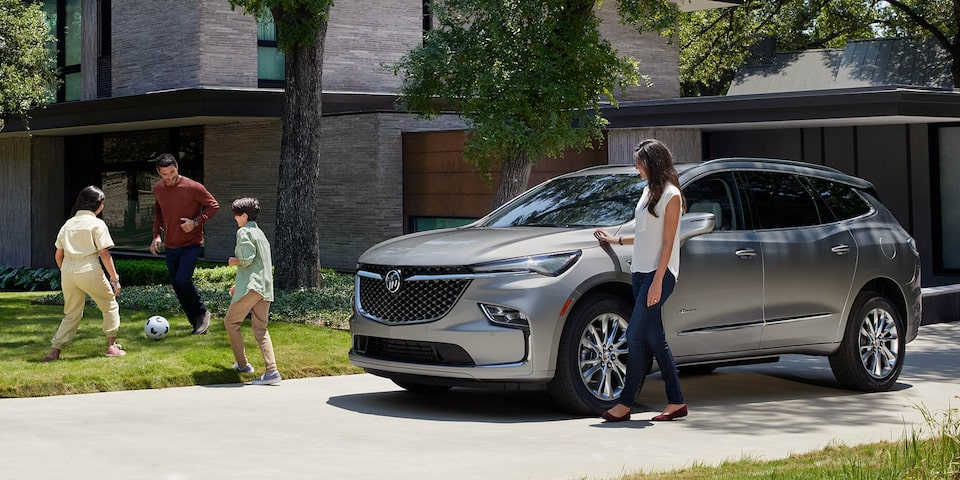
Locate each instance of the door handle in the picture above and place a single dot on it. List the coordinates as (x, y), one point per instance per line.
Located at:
(746, 253)
(841, 249)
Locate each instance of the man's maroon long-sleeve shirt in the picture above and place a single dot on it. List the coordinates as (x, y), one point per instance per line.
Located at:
(186, 199)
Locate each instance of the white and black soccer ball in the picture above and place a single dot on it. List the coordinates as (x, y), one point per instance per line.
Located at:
(156, 327)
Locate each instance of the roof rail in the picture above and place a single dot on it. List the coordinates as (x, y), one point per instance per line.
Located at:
(778, 161)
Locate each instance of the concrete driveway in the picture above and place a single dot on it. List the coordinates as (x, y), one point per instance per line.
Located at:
(363, 427)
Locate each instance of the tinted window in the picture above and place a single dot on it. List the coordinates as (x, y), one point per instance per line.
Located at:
(843, 200)
(779, 200)
(584, 201)
(715, 194)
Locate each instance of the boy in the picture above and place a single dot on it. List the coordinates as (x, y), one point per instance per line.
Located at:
(252, 292)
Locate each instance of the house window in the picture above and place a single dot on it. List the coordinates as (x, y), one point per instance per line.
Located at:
(270, 62)
(427, 17)
(63, 23)
(946, 201)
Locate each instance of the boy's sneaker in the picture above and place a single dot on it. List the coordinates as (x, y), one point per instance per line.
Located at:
(246, 369)
(115, 351)
(269, 378)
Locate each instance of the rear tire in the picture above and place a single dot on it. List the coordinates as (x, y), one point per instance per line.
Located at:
(871, 353)
(592, 356)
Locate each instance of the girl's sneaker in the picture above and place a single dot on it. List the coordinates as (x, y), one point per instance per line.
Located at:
(246, 369)
(115, 350)
(270, 378)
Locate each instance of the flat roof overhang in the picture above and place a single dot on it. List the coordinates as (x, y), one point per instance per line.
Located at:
(822, 108)
(180, 108)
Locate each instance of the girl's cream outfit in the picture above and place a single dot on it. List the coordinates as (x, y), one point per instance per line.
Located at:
(81, 238)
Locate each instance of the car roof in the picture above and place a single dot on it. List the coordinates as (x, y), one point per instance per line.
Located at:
(686, 170)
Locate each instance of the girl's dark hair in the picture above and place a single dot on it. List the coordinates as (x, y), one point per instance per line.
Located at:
(658, 162)
(248, 205)
(89, 198)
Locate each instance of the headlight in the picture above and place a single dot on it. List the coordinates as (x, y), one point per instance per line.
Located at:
(551, 264)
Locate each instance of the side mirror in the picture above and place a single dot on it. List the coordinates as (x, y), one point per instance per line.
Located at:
(693, 224)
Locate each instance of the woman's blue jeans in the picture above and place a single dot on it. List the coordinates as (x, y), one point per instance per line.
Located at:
(646, 331)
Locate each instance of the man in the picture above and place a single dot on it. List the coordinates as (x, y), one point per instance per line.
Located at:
(182, 207)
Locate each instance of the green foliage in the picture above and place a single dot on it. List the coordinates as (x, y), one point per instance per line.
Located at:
(30, 279)
(715, 43)
(527, 76)
(298, 22)
(26, 71)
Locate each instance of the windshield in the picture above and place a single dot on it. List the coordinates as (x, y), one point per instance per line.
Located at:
(579, 201)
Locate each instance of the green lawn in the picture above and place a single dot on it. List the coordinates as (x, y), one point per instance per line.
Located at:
(302, 350)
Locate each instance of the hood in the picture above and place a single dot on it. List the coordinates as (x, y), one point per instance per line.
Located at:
(472, 245)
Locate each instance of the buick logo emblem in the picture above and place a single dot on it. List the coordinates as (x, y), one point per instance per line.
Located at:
(392, 281)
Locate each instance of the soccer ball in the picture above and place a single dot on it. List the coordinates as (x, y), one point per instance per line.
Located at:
(156, 327)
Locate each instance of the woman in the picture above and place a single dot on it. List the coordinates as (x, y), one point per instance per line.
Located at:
(82, 243)
(655, 267)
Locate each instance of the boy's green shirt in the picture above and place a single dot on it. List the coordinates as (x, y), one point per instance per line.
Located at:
(255, 271)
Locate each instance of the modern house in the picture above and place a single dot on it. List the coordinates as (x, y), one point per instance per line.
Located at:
(204, 82)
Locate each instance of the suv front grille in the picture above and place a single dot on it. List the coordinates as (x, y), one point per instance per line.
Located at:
(412, 351)
(426, 293)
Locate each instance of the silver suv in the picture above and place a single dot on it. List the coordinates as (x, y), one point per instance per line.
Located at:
(778, 257)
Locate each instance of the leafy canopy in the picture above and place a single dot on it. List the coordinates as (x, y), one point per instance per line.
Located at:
(26, 65)
(298, 21)
(527, 76)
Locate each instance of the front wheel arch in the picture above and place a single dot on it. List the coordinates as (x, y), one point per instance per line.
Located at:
(591, 355)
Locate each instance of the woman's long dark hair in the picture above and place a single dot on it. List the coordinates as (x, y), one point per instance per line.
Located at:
(89, 198)
(658, 162)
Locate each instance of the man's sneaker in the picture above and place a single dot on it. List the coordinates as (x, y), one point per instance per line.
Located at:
(269, 378)
(246, 369)
(115, 351)
(204, 324)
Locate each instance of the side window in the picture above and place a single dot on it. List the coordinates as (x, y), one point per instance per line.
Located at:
(779, 200)
(716, 194)
(843, 200)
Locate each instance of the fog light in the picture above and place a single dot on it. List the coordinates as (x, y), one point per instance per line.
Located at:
(506, 316)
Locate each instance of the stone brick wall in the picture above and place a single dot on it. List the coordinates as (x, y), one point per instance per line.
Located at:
(168, 44)
(240, 160)
(362, 35)
(657, 57)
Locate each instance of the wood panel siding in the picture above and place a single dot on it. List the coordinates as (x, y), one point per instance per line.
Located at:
(437, 182)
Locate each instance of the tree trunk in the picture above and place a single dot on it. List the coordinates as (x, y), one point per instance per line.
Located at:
(513, 178)
(297, 252)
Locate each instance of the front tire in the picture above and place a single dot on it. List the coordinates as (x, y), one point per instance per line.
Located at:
(871, 353)
(592, 356)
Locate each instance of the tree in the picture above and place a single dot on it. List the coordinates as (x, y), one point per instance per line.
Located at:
(714, 44)
(939, 19)
(527, 76)
(301, 33)
(27, 70)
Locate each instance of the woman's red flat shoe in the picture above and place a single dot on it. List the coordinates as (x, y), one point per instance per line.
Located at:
(666, 417)
(613, 418)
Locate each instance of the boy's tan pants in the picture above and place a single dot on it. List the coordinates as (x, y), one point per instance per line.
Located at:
(259, 309)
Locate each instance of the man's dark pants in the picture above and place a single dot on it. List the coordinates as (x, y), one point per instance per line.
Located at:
(181, 263)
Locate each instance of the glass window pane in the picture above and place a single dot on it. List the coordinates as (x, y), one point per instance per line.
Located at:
(266, 29)
(128, 209)
(269, 63)
(780, 201)
(421, 224)
(950, 196)
(71, 87)
(72, 43)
